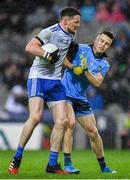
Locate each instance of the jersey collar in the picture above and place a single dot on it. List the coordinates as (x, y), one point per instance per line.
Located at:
(62, 29)
(71, 35)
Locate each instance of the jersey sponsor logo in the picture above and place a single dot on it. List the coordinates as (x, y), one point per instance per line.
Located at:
(65, 41)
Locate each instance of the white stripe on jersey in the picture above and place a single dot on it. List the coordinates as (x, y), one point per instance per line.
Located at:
(42, 69)
(33, 89)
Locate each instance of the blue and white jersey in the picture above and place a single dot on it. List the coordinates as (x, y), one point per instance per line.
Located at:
(76, 86)
(56, 35)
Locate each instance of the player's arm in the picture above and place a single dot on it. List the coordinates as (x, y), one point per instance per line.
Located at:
(77, 69)
(95, 80)
(34, 48)
(67, 63)
(73, 48)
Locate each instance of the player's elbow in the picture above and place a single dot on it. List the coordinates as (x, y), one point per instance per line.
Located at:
(27, 48)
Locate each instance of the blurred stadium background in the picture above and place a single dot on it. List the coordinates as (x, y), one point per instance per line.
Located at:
(19, 22)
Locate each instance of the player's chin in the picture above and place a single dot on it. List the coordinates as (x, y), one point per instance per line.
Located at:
(101, 51)
(75, 30)
(72, 31)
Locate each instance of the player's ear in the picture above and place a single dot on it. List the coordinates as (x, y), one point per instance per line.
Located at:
(65, 20)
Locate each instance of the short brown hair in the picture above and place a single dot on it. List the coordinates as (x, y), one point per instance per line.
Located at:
(109, 33)
(69, 11)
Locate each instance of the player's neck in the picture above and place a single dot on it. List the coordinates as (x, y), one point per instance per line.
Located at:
(96, 54)
(63, 26)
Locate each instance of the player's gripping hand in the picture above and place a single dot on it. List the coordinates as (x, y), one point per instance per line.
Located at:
(77, 70)
(52, 57)
(84, 62)
(51, 53)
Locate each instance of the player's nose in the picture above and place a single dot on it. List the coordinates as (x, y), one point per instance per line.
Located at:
(78, 25)
(103, 44)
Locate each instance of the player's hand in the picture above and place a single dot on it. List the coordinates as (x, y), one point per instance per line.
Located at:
(52, 57)
(77, 70)
(84, 62)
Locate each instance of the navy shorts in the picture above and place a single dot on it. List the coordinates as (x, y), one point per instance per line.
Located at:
(81, 107)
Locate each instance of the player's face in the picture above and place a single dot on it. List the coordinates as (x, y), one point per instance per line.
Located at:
(73, 24)
(102, 43)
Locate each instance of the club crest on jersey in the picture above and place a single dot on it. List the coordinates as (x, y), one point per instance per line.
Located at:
(92, 63)
(99, 68)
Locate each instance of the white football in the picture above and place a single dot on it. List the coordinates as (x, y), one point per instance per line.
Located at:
(49, 47)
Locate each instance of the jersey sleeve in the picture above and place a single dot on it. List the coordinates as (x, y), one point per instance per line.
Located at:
(45, 35)
(105, 68)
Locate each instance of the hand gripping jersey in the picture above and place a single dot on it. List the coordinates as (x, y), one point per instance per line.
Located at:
(76, 86)
(56, 35)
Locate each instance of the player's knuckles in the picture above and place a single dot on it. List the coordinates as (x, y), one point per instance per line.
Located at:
(78, 70)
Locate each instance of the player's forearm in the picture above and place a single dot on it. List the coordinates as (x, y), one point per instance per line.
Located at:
(34, 48)
(35, 51)
(93, 79)
(67, 63)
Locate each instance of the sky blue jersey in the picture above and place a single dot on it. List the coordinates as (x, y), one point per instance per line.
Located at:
(76, 86)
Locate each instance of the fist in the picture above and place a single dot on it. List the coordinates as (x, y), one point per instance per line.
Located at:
(51, 53)
(77, 70)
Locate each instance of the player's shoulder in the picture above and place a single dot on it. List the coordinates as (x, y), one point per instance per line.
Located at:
(48, 32)
(55, 27)
(84, 47)
(51, 28)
